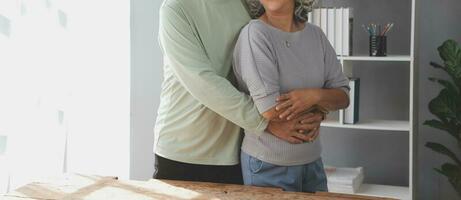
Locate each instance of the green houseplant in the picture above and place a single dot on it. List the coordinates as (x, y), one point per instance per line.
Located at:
(446, 106)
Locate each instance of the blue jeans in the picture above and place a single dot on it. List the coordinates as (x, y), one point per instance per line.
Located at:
(299, 178)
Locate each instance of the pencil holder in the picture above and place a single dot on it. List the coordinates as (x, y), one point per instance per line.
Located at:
(378, 45)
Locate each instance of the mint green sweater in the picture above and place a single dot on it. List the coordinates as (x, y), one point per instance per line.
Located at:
(200, 111)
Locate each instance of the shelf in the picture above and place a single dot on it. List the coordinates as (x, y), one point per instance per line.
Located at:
(387, 125)
(388, 191)
(397, 58)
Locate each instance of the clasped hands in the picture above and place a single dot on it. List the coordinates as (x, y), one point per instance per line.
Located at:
(296, 118)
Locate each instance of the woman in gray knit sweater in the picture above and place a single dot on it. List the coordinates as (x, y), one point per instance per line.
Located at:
(288, 67)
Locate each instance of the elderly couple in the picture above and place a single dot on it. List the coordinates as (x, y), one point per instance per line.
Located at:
(274, 75)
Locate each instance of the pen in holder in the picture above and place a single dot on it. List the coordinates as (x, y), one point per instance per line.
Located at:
(378, 38)
(378, 45)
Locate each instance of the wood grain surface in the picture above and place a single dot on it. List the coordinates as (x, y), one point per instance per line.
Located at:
(77, 186)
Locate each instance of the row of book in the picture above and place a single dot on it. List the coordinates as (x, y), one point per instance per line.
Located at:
(336, 23)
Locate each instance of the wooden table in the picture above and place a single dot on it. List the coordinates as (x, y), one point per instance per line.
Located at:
(77, 186)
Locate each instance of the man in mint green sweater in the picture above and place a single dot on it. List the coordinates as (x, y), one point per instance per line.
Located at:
(197, 132)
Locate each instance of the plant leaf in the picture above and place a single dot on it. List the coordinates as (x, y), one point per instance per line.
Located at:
(436, 124)
(444, 106)
(455, 94)
(452, 88)
(436, 65)
(442, 126)
(453, 173)
(443, 150)
(450, 52)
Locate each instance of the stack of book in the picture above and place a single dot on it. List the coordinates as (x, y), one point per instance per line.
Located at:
(344, 180)
(336, 23)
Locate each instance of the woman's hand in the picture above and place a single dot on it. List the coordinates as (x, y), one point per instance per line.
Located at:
(296, 102)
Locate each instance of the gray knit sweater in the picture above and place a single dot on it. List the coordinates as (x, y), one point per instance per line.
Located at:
(269, 62)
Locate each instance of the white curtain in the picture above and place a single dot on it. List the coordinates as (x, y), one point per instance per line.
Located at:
(34, 87)
(64, 88)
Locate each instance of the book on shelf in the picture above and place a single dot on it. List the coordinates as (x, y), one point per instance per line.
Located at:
(324, 20)
(337, 24)
(348, 21)
(338, 45)
(316, 17)
(351, 113)
(331, 26)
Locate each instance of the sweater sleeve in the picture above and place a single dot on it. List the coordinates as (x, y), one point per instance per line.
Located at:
(256, 67)
(334, 76)
(187, 58)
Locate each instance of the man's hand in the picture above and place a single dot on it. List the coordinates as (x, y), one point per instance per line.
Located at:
(302, 129)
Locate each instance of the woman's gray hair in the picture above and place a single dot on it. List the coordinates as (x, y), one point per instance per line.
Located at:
(302, 8)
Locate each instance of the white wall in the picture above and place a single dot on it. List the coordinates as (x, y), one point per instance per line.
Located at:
(439, 21)
(100, 57)
(146, 82)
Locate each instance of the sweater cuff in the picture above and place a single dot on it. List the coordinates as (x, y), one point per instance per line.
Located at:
(261, 129)
(264, 104)
(267, 102)
(346, 89)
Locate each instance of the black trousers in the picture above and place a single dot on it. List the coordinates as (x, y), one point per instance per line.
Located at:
(174, 170)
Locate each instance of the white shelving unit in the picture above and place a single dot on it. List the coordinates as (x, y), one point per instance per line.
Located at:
(384, 191)
(386, 126)
(390, 58)
(396, 192)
